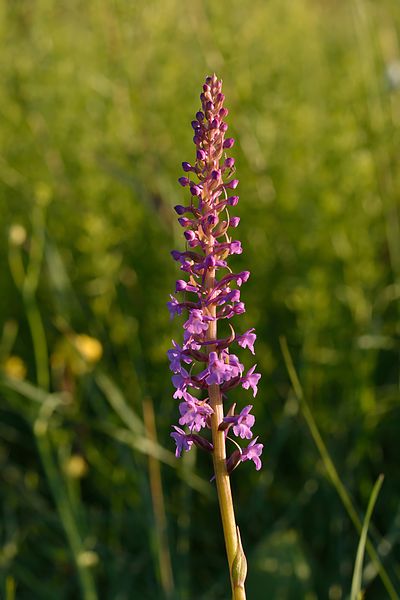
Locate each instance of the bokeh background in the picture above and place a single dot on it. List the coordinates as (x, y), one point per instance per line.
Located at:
(96, 100)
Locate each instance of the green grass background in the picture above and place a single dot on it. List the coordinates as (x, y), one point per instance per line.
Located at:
(96, 100)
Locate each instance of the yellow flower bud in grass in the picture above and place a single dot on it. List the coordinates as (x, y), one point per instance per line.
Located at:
(88, 559)
(15, 367)
(76, 467)
(17, 234)
(90, 348)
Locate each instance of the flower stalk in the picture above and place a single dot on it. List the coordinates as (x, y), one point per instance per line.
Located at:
(222, 480)
(204, 369)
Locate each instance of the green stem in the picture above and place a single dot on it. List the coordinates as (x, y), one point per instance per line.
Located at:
(39, 342)
(157, 496)
(222, 479)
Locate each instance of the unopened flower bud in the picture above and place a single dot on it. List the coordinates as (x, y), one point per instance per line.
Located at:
(195, 190)
(228, 143)
(212, 219)
(190, 235)
(201, 442)
(232, 184)
(233, 461)
(180, 286)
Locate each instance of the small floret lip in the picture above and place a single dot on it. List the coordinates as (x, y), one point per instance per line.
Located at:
(233, 200)
(182, 441)
(244, 276)
(242, 423)
(253, 452)
(187, 167)
(247, 339)
(184, 181)
(236, 247)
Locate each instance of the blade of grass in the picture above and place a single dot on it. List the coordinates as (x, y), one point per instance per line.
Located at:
(151, 448)
(331, 469)
(28, 390)
(118, 402)
(157, 495)
(10, 588)
(357, 575)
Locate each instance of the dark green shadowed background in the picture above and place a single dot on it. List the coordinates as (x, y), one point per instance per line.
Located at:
(96, 100)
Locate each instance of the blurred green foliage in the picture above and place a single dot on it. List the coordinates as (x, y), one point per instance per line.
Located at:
(96, 102)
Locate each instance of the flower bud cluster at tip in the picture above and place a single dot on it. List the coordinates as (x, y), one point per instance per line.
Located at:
(207, 223)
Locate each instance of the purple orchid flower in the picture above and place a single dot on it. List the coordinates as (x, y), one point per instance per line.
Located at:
(247, 340)
(210, 289)
(182, 440)
(250, 380)
(253, 452)
(194, 414)
(242, 423)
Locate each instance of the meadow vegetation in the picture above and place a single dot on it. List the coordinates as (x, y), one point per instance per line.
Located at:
(96, 102)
